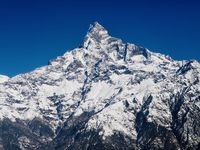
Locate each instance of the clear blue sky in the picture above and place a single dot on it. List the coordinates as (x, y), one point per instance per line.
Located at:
(34, 31)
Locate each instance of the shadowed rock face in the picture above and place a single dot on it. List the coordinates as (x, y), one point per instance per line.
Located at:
(104, 95)
(23, 135)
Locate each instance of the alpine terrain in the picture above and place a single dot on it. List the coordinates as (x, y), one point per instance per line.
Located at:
(104, 95)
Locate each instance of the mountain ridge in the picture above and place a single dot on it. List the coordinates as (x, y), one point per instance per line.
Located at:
(105, 94)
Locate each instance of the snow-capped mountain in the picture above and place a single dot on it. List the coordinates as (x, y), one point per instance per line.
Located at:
(106, 94)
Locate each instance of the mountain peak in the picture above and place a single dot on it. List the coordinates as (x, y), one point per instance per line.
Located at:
(116, 92)
(97, 28)
(95, 35)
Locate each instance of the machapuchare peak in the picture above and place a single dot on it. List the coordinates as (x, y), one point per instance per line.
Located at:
(107, 94)
(97, 28)
(95, 35)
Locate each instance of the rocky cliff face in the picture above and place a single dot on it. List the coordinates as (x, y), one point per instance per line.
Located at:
(106, 94)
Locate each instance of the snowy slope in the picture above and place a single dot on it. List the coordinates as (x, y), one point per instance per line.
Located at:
(106, 94)
(3, 78)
